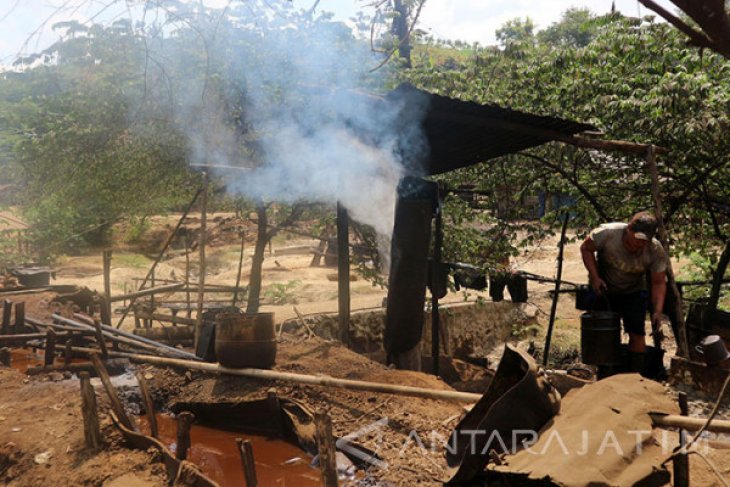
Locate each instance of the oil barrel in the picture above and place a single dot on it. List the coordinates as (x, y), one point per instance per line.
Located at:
(245, 340)
(600, 338)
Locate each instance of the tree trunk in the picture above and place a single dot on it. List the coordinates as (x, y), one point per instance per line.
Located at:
(717, 279)
(400, 29)
(257, 262)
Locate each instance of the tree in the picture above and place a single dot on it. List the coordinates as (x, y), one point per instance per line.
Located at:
(576, 28)
(516, 33)
(635, 81)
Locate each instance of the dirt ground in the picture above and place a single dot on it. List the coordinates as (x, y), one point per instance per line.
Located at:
(48, 413)
(42, 440)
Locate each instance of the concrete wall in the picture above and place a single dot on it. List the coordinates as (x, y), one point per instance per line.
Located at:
(472, 328)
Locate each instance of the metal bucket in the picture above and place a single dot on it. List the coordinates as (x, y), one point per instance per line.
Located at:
(600, 338)
(245, 340)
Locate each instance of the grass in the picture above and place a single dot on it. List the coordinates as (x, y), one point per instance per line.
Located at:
(136, 261)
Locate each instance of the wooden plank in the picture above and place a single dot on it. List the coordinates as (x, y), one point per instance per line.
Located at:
(111, 392)
(92, 433)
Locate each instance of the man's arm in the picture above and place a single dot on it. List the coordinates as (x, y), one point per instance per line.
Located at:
(658, 293)
(588, 253)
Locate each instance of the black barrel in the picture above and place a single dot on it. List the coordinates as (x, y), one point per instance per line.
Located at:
(600, 338)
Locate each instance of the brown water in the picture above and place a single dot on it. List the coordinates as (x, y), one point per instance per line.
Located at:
(216, 453)
(21, 359)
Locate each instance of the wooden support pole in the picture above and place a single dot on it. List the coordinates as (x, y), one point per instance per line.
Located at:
(112, 393)
(681, 460)
(681, 332)
(5, 357)
(50, 347)
(105, 311)
(149, 405)
(19, 326)
(7, 310)
(187, 274)
(245, 449)
(343, 274)
(92, 433)
(184, 422)
(201, 245)
(68, 351)
(240, 268)
(435, 278)
(100, 339)
(162, 252)
(107, 263)
(556, 294)
(326, 449)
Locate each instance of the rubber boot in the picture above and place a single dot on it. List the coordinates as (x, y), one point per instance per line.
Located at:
(636, 362)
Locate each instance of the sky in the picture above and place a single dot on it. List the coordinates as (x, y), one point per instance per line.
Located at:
(25, 25)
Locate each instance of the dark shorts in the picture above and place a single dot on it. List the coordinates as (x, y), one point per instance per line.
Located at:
(631, 306)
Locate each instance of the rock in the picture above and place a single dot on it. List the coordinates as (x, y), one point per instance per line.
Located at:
(128, 480)
(149, 376)
(43, 458)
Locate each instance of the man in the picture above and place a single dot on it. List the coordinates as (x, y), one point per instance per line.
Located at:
(618, 257)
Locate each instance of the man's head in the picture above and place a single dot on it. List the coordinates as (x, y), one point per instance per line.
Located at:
(641, 229)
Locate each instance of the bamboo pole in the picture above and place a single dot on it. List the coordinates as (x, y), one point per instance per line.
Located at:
(129, 338)
(690, 424)
(92, 433)
(201, 277)
(682, 344)
(318, 380)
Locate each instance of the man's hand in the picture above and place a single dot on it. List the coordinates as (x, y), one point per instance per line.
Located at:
(656, 326)
(599, 285)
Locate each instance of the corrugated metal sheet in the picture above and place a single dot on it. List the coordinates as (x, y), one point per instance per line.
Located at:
(461, 133)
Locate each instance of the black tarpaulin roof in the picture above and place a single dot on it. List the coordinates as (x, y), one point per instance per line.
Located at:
(461, 133)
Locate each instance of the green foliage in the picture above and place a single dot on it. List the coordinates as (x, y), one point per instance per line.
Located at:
(635, 80)
(281, 293)
(576, 28)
